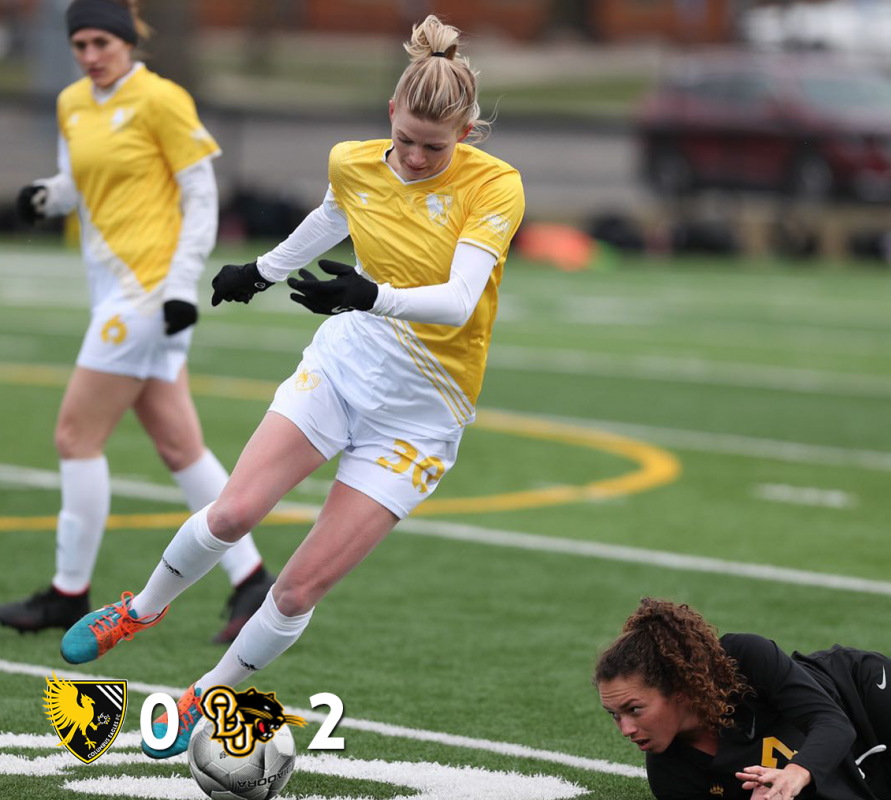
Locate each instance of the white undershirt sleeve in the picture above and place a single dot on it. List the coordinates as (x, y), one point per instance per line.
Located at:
(61, 193)
(450, 303)
(198, 233)
(323, 228)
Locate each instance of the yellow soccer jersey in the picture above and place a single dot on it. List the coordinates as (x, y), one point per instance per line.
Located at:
(405, 234)
(124, 156)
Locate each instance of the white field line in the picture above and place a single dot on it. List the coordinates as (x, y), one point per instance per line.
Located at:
(780, 294)
(636, 555)
(734, 445)
(530, 359)
(215, 336)
(28, 477)
(380, 728)
(773, 310)
(738, 335)
(609, 552)
(689, 370)
(431, 781)
(803, 338)
(804, 495)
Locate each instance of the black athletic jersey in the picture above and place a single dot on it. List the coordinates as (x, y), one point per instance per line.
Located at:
(796, 714)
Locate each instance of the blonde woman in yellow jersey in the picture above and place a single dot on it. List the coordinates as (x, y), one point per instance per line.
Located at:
(135, 162)
(390, 380)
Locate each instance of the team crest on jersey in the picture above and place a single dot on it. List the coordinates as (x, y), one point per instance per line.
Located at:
(497, 224)
(438, 207)
(306, 381)
(717, 790)
(115, 330)
(120, 118)
(241, 719)
(87, 715)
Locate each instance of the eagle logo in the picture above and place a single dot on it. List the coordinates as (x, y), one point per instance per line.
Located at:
(438, 208)
(241, 719)
(81, 707)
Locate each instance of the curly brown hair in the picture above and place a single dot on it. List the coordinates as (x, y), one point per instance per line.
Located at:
(674, 649)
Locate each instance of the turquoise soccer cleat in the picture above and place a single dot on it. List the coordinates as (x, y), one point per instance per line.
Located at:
(189, 708)
(94, 634)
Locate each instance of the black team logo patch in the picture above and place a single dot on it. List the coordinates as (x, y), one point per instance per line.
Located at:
(86, 715)
(241, 719)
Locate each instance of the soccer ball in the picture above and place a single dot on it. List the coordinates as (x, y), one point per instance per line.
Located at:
(259, 776)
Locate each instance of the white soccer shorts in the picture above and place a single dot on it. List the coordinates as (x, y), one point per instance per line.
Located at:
(121, 341)
(397, 469)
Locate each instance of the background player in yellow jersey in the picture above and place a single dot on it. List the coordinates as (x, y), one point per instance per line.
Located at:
(135, 162)
(390, 379)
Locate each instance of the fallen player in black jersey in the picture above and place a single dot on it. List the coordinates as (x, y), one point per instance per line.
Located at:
(736, 717)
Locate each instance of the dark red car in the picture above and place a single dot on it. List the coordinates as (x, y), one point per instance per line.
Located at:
(805, 125)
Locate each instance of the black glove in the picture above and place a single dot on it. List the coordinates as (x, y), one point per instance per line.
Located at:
(31, 203)
(349, 291)
(239, 283)
(179, 315)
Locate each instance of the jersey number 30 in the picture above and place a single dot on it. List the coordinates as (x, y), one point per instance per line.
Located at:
(426, 470)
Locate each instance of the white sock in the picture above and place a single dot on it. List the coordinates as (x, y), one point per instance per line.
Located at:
(265, 636)
(202, 483)
(191, 554)
(86, 498)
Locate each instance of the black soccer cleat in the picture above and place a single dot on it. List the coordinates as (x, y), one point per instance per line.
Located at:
(245, 599)
(47, 609)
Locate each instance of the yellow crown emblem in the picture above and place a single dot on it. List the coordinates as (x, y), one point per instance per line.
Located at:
(717, 789)
(306, 381)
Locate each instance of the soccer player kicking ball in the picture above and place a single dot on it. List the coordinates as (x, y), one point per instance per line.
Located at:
(389, 381)
(736, 717)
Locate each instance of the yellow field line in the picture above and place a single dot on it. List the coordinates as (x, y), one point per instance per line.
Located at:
(143, 521)
(655, 467)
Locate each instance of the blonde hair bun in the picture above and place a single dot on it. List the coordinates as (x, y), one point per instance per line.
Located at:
(439, 84)
(433, 36)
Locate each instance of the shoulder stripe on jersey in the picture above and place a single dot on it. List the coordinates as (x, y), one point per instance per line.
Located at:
(481, 246)
(434, 365)
(459, 417)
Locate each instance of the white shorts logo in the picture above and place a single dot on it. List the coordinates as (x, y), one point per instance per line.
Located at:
(115, 330)
(306, 381)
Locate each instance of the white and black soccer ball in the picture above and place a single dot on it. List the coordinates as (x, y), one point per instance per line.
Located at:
(259, 776)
